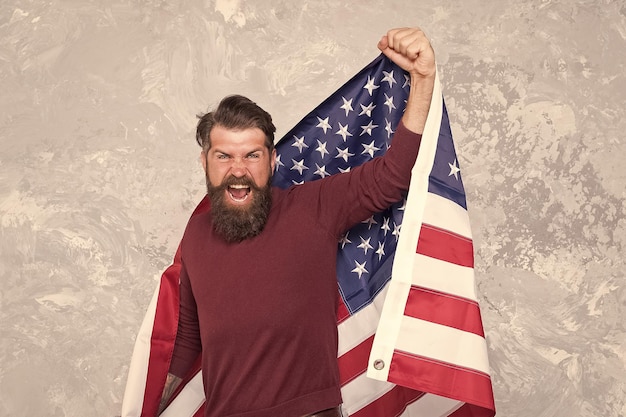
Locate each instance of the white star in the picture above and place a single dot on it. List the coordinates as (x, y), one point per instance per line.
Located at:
(454, 169)
(278, 162)
(343, 153)
(370, 86)
(381, 250)
(389, 78)
(365, 244)
(367, 109)
(385, 227)
(396, 231)
(360, 268)
(388, 128)
(389, 102)
(343, 131)
(403, 206)
(370, 149)
(323, 124)
(344, 240)
(370, 222)
(343, 171)
(299, 143)
(347, 105)
(298, 166)
(321, 171)
(407, 80)
(321, 148)
(368, 129)
(297, 182)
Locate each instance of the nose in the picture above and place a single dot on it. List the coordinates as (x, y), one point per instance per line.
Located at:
(238, 168)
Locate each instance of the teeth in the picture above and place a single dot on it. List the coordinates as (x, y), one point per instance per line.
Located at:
(239, 186)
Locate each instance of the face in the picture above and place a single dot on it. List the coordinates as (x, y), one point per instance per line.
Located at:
(238, 169)
(238, 156)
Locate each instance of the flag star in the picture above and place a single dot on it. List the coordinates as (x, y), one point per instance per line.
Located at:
(367, 109)
(321, 171)
(343, 153)
(347, 105)
(299, 143)
(344, 240)
(388, 128)
(323, 124)
(343, 131)
(396, 230)
(385, 227)
(389, 102)
(381, 250)
(370, 149)
(297, 182)
(278, 162)
(298, 166)
(370, 222)
(360, 268)
(403, 206)
(365, 244)
(454, 169)
(343, 171)
(368, 128)
(389, 78)
(407, 80)
(321, 148)
(370, 86)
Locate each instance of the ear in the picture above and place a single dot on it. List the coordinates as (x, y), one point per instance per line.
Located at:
(273, 160)
(203, 159)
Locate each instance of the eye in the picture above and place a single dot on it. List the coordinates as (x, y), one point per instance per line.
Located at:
(221, 156)
(254, 155)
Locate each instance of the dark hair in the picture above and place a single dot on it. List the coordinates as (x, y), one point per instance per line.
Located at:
(235, 112)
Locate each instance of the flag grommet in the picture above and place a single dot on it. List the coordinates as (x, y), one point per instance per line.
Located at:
(379, 364)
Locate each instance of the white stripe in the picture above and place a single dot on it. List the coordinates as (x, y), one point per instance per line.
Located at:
(447, 215)
(362, 391)
(431, 405)
(400, 285)
(361, 325)
(443, 343)
(188, 401)
(459, 280)
(132, 403)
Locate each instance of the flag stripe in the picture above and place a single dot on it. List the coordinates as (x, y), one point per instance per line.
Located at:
(432, 340)
(354, 362)
(445, 245)
(459, 280)
(431, 405)
(442, 378)
(444, 309)
(445, 214)
(392, 403)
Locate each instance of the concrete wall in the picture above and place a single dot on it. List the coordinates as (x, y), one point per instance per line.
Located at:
(99, 172)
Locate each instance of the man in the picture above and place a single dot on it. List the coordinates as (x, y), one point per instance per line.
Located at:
(259, 311)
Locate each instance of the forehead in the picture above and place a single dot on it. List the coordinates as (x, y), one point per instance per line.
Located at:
(224, 139)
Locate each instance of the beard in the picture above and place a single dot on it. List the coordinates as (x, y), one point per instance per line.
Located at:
(235, 224)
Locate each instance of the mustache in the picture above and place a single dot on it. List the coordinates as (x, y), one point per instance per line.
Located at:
(231, 180)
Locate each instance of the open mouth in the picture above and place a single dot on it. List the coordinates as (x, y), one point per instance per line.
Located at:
(239, 192)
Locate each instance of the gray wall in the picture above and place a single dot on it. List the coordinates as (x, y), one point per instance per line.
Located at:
(99, 172)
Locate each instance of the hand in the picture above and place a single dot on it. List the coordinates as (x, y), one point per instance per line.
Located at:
(410, 50)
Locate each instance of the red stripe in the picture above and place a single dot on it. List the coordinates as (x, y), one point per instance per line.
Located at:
(391, 404)
(445, 309)
(444, 379)
(163, 337)
(354, 362)
(445, 245)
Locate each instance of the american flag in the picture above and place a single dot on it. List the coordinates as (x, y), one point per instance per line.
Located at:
(411, 340)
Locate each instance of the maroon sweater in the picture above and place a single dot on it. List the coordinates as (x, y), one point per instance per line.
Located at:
(263, 311)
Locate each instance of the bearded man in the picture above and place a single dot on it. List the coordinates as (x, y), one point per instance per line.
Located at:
(259, 310)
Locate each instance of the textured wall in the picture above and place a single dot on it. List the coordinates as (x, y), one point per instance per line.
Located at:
(99, 172)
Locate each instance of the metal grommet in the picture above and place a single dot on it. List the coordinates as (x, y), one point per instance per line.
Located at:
(379, 364)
